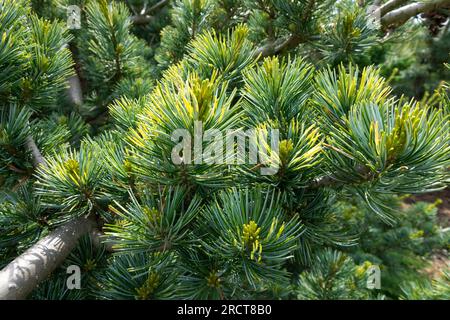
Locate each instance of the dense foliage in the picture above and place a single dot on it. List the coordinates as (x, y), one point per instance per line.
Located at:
(87, 118)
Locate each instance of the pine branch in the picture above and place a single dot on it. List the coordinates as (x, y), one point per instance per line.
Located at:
(25, 272)
(403, 14)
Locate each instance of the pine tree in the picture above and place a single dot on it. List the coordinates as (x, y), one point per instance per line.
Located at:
(91, 174)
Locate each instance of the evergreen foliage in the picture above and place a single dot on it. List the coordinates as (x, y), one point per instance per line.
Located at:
(213, 225)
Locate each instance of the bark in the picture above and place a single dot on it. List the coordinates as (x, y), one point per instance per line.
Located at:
(97, 237)
(141, 19)
(38, 159)
(75, 92)
(402, 14)
(144, 17)
(23, 274)
(391, 5)
(157, 5)
(279, 46)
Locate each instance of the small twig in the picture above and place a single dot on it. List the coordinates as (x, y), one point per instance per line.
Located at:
(15, 169)
(145, 16)
(157, 6)
(279, 46)
(333, 181)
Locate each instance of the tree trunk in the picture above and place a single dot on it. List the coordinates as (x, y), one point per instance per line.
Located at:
(25, 272)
